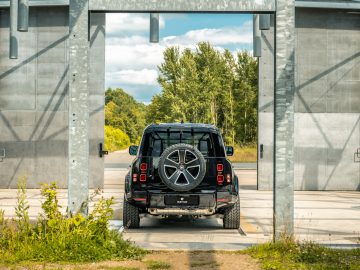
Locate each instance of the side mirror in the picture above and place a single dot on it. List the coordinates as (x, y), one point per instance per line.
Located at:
(133, 149)
(229, 150)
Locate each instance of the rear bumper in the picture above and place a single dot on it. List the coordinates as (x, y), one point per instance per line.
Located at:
(208, 203)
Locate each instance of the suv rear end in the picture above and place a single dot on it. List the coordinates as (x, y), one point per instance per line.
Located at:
(181, 169)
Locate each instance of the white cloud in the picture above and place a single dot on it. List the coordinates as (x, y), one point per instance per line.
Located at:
(131, 60)
(134, 77)
(220, 36)
(136, 56)
(118, 23)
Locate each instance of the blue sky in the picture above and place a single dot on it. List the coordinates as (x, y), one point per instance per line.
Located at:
(131, 61)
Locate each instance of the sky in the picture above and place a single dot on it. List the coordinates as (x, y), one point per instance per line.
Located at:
(131, 60)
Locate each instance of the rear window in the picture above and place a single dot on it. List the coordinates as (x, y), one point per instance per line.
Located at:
(208, 143)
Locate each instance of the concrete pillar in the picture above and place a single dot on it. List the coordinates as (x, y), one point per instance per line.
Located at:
(23, 17)
(284, 119)
(154, 27)
(78, 106)
(13, 41)
(256, 36)
(264, 22)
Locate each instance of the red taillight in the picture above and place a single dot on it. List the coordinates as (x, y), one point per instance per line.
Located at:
(143, 166)
(134, 177)
(220, 167)
(142, 177)
(220, 179)
(228, 178)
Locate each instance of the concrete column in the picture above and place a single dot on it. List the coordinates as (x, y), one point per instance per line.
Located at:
(13, 44)
(264, 22)
(78, 106)
(23, 18)
(284, 119)
(154, 27)
(256, 36)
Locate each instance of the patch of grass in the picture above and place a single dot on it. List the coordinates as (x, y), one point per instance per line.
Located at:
(199, 264)
(154, 265)
(118, 268)
(56, 237)
(244, 154)
(288, 255)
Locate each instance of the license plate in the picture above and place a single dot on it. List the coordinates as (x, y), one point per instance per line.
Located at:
(191, 200)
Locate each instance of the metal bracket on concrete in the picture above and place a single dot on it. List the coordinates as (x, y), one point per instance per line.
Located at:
(2, 154)
(357, 156)
(102, 152)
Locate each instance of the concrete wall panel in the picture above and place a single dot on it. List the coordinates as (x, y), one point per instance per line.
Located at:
(34, 101)
(326, 103)
(266, 110)
(97, 97)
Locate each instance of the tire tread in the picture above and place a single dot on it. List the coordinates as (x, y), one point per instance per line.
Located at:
(231, 218)
(131, 218)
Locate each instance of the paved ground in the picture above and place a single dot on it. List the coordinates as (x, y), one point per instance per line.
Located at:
(325, 217)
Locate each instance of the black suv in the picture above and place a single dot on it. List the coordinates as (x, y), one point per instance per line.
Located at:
(181, 169)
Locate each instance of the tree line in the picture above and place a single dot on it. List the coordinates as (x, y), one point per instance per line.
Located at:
(203, 85)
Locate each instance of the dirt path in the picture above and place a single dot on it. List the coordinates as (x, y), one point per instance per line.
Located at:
(174, 260)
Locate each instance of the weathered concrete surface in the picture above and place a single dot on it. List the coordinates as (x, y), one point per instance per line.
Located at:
(324, 217)
(327, 111)
(79, 112)
(184, 6)
(34, 99)
(266, 110)
(284, 92)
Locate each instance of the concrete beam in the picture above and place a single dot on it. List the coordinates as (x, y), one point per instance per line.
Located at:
(328, 4)
(78, 106)
(298, 3)
(284, 119)
(183, 6)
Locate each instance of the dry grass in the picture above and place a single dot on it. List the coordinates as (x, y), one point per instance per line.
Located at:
(156, 260)
(244, 154)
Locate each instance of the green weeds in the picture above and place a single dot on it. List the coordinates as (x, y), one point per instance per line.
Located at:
(288, 254)
(57, 237)
(157, 265)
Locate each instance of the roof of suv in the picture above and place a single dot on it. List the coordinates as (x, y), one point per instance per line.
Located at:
(181, 126)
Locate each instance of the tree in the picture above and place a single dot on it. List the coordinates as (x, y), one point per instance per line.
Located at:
(207, 86)
(124, 113)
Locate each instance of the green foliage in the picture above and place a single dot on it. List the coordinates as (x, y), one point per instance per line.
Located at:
(154, 265)
(124, 113)
(207, 86)
(22, 209)
(287, 255)
(59, 237)
(244, 154)
(201, 86)
(115, 139)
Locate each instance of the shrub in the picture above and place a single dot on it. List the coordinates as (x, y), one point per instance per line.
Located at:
(115, 139)
(58, 237)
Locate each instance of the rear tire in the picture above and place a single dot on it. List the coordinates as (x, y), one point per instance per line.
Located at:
(231, 218)
(131, 218)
